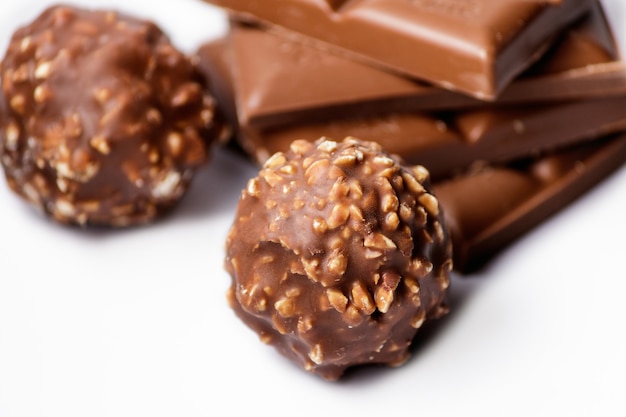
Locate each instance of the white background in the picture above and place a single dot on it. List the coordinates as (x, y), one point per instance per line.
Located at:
(135, 323)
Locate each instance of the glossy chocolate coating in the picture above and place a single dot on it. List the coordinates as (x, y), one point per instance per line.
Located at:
(104, 120)
(338, 253)
(491, 206)
(280, 81)
(476, 47)
(445, 141)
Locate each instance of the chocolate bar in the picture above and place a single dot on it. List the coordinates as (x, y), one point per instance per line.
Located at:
(475, 47)
(281, 81)
(490, 207)
(449, 142)
(443, 141)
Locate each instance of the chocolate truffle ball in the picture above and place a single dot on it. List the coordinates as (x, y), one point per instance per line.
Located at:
(338, 254)
(104, 121)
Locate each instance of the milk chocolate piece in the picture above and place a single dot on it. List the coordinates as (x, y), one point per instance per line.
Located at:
(444, 141)
(477, 47)
(214, 59)
(338, 254)
(448, 142)
(492, 206)
(280, 81)
(104, 122)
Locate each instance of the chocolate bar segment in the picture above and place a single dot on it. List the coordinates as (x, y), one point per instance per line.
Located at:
(448, 142)
(279, 80)
(215, 62)
(489, 208)
(475, 47)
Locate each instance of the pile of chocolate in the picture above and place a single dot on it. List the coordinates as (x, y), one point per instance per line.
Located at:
(508, 110)
(397, 141)
(515, 107)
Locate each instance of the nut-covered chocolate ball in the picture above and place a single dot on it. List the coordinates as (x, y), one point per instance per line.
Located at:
(103, 120)
(338, 254)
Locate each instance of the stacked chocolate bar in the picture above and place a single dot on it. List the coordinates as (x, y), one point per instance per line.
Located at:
(516, 107)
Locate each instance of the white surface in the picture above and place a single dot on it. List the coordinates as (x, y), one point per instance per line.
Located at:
(135, 323)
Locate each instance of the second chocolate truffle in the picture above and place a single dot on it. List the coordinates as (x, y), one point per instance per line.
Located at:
(104, 121)
(338, 254)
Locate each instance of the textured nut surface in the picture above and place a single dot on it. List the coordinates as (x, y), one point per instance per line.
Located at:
(367, 250)
(100, 107)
